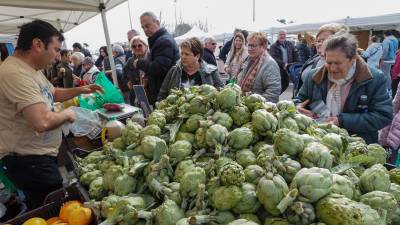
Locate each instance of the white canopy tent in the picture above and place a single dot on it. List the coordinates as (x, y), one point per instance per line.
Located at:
(194, 32)
(62, 14)
(383, 22)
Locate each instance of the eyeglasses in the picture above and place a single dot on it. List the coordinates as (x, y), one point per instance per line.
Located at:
(137, 46)
(319, 41)
(252, 45)
(213, 43)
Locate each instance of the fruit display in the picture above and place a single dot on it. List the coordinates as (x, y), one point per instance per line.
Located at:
(219, 157)
(71, 213)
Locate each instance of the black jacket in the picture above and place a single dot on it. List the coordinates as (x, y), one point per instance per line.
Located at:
(225, 50)
(209, 57)
(164, 53)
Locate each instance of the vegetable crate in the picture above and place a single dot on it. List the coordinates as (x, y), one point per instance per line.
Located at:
(53, 203)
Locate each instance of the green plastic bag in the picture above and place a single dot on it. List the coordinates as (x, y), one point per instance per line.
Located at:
(95, 101)
(397, 163)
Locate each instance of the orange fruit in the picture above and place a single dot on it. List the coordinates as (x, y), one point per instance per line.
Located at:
(80, 216)
(53, 220)
(67, 208)
(35, 221)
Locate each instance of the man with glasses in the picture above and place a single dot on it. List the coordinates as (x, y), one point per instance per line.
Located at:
(210, 44)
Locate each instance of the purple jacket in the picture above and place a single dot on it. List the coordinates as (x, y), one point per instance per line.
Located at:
(390, 135)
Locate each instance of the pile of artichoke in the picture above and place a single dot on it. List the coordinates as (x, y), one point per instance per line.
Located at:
(218, 157)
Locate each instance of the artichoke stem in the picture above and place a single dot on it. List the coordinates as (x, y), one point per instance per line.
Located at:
(218, 151)
(132, 146)
(201, 219)
(287, 200)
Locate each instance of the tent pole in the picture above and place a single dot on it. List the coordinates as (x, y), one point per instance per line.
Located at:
(107, 35)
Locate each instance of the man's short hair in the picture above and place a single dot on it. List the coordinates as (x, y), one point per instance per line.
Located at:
(37, 29)
(388, 32)
(133, 32)
(149, 14)
(64, 52)
(88, 61)
(77, 45)
(209, 39)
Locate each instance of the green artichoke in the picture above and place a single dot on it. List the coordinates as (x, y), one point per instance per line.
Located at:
(180, 150)
(232, 174)
(343, 186)
(378, 153)
(395, 191)
(110, 175)
(253, 101)
(240, 138)
(240, 115)
(88, 177)
(216, 135)
(200, 138)
(168, 213)
(124, 184)
(96, 189)
(303, 122)
(226, 197)
(118, 143)
(131, 133)
(242, 222)
(199, 105)
(375, 178)
(312, 183)
(253, 174)
(289, 168)
(307, 139)
(250, 217)
(245, 158)
(157, 118)
(264, 122)
(221, 161)
(316, 155)
(290, 124)
(336, 144)
(191, 180)
(151, 145)
(301, 213)
(249, 202)
(286, 105)
(193, 123)
(270, 191)
(276, 221)
(395, 175)
(150, 130)
(184, 136)
(227, 98)
(337, 210)
(223, 119)
(384, 203)
(288, 142)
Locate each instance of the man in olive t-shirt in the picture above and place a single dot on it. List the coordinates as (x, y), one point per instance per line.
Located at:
(30, 131)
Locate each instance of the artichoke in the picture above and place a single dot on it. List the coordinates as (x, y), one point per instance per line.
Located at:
(232, 174)
(240, 138)
(249, 202)
(109, 177)
(316, 155)
(301, 213)
(221, 161)
(384, 203)
(378, 153)
(286, 105)
(184, 136)
(290, 124)
(96, 189)
(199, 105)
(152, 145)
(307, 139)
(289, 168)
(276, 221)
(288, 142)
(253, 101)
(208, 91)
(223, 119)
(227, 98)
(375, 178)
(270, 191)
(157, 118)
(336, 144)
(131, 133)
(180, 150)
(150, 130)
(395, 191)
(124, 184)
(191, 180)
(168, 213)
(343, 186)
(226, 197)
(253, 174)
(312, 183)
(216, 136)
(245, 158)
(193, 123)
(118, 143)
(250, 217)
(88, 177)
(303, 122)
(264, 122)
(200, 138)
(240, 115)
(395, 175)
(337, 209)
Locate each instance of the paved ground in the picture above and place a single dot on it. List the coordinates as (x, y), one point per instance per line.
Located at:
(288, 94)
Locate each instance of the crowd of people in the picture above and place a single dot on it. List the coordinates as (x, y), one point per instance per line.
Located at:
(338, 83)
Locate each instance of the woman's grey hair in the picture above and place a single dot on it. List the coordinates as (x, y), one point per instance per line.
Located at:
(88, 61)
(346, 43)
(79, 56)
(149, 14)
(118, 49)
(209, 39)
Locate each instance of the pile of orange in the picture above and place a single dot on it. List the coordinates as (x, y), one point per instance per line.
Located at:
(71, 213)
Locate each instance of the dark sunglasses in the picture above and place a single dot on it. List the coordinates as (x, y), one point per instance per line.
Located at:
(137, 46)
(214, 43)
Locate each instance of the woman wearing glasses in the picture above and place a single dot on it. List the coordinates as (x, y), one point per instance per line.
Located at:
(132, 75)
(190, 70)
(260, 73)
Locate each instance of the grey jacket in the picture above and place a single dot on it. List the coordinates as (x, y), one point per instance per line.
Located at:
(268, 79)
(209, 75)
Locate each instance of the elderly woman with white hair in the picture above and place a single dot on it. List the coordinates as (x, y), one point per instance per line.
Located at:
(346, 92)
(132, 75)
(90, 74)
(77, 60)
(119, 61)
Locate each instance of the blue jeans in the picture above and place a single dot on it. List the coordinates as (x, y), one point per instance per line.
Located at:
(386, 67)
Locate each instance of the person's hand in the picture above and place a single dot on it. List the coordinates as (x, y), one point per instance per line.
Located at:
(227, 70)
(69, 114)
(91, 88)
(286, 66)
(333, 120)
(302, 108)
